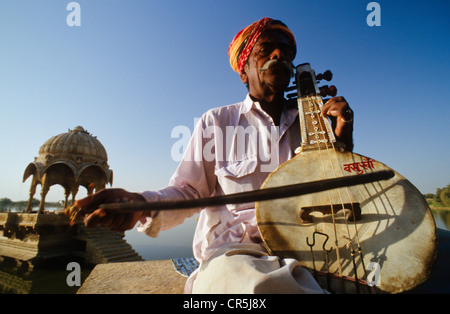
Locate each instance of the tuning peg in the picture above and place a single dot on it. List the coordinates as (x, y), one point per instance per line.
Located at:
(327, 76)
(291, 95)
(323, 91)
(332, 91)
(291, 88)
(328, 91)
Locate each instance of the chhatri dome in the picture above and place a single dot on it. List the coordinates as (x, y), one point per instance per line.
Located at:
(71, 159)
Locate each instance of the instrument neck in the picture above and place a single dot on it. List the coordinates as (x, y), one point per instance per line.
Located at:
(316, 130)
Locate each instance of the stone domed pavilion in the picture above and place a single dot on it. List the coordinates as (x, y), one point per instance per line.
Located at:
(71, 159)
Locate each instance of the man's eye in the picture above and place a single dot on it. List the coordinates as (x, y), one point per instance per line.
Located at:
(265, 50)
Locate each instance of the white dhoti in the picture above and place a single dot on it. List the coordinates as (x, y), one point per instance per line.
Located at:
(244, 268)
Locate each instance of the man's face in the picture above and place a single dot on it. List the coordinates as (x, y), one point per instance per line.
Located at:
(271, 83)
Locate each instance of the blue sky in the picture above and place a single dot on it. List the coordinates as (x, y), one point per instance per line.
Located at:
(134, 70)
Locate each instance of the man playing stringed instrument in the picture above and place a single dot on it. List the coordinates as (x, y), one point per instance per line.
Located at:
(227, 242)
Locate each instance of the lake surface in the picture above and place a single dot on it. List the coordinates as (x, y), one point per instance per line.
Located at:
(442, 219)
(173, 243)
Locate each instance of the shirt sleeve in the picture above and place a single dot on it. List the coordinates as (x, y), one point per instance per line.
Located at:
(194, 178)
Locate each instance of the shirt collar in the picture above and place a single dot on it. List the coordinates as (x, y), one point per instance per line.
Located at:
(289, 113)
(248, 104)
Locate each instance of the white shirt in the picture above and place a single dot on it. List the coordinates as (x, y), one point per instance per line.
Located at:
(232, 149)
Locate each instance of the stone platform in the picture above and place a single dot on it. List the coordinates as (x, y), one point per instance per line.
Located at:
(35, 238)
(146, 277)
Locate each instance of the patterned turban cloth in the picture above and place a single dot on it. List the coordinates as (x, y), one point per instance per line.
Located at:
(242, 44)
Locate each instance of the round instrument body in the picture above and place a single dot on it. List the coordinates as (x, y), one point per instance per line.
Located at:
(389, 220)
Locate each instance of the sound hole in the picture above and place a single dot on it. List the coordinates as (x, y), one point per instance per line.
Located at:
(353, 208)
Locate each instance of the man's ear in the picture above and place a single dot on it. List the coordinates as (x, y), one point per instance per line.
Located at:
(244, 77)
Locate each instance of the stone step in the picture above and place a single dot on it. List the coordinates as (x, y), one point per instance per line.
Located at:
(105, 246)
(111, 246)
(105, 237)
(132, 259)
(97, 230)
(117, 251)
(104, 234)
(117, 258)
(106, 242)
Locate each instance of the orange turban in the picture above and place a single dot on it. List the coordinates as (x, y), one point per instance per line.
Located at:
(242, 44)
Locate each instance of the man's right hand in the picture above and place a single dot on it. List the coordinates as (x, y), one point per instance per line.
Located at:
(117, 221)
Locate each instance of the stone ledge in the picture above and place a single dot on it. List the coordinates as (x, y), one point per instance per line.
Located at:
(147, 277)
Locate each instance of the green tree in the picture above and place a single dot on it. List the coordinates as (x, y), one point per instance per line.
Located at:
(437, 196)
(445, 196)
(5, 203)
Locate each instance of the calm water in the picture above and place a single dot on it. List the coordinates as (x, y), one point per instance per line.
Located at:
(176, 242)
(442, 218)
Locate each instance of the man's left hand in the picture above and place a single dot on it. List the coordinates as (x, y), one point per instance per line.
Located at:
(341, 115)
(338, 108)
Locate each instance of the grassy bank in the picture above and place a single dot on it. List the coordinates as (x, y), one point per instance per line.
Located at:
(439, 208)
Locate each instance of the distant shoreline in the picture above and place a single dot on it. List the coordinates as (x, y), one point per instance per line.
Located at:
(439, 208)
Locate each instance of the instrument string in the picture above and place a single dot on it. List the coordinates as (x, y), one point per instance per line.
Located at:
(318, 106)
(332, 153)
(313, 110)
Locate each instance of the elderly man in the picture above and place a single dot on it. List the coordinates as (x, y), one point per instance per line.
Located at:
(233, 149)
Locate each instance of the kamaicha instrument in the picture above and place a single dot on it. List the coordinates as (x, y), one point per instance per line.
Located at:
(378, 236)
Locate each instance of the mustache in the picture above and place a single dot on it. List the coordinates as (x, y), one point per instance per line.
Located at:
(274, 62)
